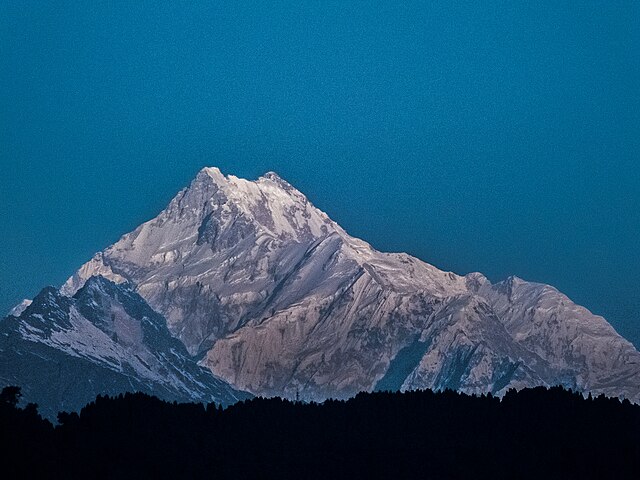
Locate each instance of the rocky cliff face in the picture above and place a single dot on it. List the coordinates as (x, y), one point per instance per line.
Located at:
(64, 351)
(276, 298)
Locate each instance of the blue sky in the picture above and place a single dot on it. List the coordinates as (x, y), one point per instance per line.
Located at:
(500, 137)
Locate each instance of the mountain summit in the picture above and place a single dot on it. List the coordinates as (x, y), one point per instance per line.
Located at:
(275, 298)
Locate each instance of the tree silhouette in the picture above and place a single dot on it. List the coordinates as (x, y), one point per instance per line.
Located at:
(533, 433)
(10, 396)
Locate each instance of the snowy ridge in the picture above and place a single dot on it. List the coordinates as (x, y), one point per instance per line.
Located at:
(108, 332)
(276, 298)
(21, 307)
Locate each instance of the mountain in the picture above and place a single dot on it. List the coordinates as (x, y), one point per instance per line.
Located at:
(277, 299)
(64, 351)
(21, 307)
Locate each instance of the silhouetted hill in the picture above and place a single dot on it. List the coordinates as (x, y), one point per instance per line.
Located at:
(535, 433)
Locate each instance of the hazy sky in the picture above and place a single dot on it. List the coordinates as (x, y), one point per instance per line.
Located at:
(486, 136)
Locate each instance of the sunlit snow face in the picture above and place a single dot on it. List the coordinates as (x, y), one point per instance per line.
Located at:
(273, 204)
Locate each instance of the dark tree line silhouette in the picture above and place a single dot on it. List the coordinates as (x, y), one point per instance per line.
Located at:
(534, 433)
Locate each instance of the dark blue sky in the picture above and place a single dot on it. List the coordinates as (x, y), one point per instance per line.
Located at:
(487, 136)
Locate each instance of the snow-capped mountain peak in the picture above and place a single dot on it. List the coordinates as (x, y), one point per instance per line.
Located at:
(276, 298)
(63, 351)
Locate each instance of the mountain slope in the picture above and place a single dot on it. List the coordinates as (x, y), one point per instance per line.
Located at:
(64, 351)
(277, 299)
(567, 335)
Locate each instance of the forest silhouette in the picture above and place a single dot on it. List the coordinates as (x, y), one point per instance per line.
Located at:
(533, 433)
